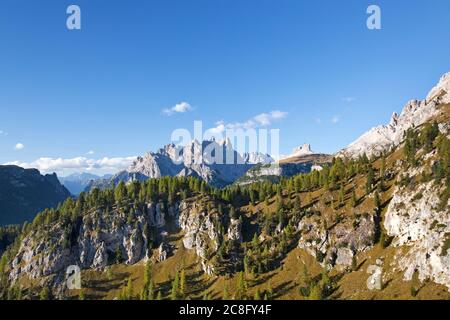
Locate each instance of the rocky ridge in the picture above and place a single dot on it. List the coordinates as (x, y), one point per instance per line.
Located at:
(414, 113)
(217, 163)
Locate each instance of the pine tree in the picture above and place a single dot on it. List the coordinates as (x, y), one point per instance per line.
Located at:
(377, 201)
(257, 295)
(118, 255)
(81, 295)
(341, 195)
(354, 263)
(148, 290)
(269, 291)
(175, 287)
(316, 293)
(241, 292)
(383, 240)
(353, 199)
(225, 295)
(183, 288)
(305, 281)
(297, 203)
(255, 240)
(370, 180)
(129, 291)
(45, 294)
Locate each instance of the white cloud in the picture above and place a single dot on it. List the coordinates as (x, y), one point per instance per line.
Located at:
(348, 99)
(260, 120)
(78, 164)
(181, 107)
(335, 119)
(90, 152)
(19, 146)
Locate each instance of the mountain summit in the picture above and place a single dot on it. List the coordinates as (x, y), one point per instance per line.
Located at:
(303, 150)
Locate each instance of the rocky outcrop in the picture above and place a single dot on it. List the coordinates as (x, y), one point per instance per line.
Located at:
(103, 237)
(344, 257)
(336, 245)
(235, 230)
(201, 232)
(163, 252)
(99, 239)
(413, 220)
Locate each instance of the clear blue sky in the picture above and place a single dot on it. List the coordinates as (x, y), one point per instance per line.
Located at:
(103, 88)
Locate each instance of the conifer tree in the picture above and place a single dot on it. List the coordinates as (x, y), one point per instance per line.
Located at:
(183, 288)
(370, 180)
(377, 201)
(257, 295)
(130, 291)
(175, 287)
(81, 295)
(241, 291)
(45, 294)
(225, 295)
(353, 199)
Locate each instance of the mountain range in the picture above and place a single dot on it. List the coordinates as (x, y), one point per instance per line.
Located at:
(369, 222)
(206, 160)
(77, 182)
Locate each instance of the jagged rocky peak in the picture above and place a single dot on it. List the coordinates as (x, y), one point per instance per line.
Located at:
(302, 150)
(257, 157)
(215, 162)
(414, 114)
(441, 92)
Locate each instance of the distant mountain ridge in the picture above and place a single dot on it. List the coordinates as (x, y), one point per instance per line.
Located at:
(77, 182)
(25, 192)
(215, 162)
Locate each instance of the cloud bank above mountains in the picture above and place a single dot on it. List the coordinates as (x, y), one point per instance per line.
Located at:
(67, 166)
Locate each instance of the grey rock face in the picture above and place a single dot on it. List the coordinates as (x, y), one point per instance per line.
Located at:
(234, 230)
(100, 237)
(419, 226)
(214, 162)
(201, 233)
(335, 244)
(344, 257)
(163, 252)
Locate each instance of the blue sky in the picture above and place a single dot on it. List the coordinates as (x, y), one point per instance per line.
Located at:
(104, 88)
